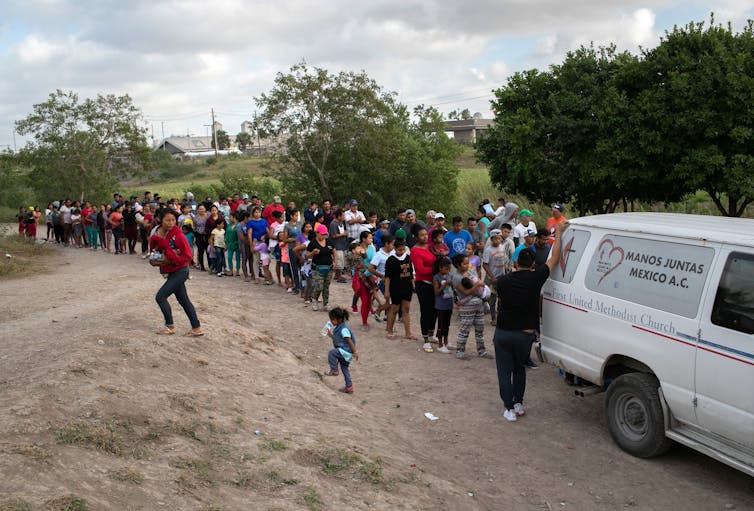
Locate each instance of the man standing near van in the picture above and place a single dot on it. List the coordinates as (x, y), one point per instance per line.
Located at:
(518, 322)
(556, 218)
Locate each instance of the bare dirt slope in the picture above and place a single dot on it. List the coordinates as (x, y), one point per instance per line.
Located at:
(94, 406)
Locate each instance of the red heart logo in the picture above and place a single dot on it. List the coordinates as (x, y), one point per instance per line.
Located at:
(607, 262)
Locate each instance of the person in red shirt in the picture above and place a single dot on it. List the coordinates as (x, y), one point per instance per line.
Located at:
(423, 260)
(172, 254)
(554, 220)
(277, 205)
(237, 201)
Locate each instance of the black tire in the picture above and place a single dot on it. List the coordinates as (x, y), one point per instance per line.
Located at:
(634, 415)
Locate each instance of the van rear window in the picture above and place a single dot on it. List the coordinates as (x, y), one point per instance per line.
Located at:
(663, 275)
(734, 302)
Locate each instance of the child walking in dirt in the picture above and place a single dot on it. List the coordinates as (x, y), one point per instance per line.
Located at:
(344, 347)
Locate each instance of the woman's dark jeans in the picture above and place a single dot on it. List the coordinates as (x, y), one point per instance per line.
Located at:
(175, 284)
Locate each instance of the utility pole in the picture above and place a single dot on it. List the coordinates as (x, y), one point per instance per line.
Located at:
(163, 131)
(214, 131)
(14, 140)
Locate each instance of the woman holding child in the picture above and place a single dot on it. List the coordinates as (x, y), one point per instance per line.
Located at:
(174, 258)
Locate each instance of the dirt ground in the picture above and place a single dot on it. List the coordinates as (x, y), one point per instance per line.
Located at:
(95, 408)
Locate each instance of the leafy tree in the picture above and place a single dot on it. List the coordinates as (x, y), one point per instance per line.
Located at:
(243, 140)
(699, 108)
(81, 148)
(346, 137)
(462, 115)
(223, 140)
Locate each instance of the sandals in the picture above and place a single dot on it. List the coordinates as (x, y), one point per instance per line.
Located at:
(191, 333)
(391, 336)
(486, 354)
(411, 337)
(166, 331)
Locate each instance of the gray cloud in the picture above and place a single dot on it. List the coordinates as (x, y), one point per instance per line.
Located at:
(179, 58)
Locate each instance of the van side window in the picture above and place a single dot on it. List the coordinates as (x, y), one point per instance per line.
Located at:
(574, 243)
(734, 302)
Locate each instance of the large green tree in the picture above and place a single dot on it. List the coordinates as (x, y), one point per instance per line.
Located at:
(243, 140)
(699, 110)
(346, 137)
(223, 140)
(81, 148)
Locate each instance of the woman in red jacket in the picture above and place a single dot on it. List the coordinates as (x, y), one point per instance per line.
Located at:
(174, 257)
(423, 260)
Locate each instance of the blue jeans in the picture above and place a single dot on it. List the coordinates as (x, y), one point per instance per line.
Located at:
(512, 348)
(334, 358)
(175, 284)
(219, 259)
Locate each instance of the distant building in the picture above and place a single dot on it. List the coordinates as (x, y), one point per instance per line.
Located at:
(247, 127)
(184, 145)
(466, 130)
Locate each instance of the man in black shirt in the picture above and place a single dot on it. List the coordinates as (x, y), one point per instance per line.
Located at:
(518, 322)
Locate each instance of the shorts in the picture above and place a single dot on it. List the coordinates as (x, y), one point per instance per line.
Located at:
(287, 270)
(339, 260)
(397, 298)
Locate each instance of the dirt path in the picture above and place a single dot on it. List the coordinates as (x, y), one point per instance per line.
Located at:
(94, 406)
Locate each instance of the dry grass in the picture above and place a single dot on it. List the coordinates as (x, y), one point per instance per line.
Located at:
(15, 505)
(343, 463)
(66, 503)
(26, 257)
(128, 475)
(36, 452)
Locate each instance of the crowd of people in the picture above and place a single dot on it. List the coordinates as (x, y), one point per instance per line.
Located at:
(459, 266)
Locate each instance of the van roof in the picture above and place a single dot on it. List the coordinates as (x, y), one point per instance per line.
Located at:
(719, 229)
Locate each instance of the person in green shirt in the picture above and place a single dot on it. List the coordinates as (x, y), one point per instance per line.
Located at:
(231, 247)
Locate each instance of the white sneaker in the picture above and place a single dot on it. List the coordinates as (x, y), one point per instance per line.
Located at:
(509, 415)
(315, 305)
(519, 409)
(443, 349)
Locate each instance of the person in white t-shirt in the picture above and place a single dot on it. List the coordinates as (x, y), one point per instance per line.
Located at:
(525, 224)
(353, 219)
(377, 267)
(497, 260)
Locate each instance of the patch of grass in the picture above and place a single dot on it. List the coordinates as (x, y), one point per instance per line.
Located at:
(66, 503)
(128, 475)
(312, 500)
(113, 437)
(200, 469)
(189, 430)
(26, 257)
(15, 505)
(343, 462)
(278, 481)
(243, 479)
(35, 452)
(318, 374)
(271, 444)
(102, 437)
(183, 401)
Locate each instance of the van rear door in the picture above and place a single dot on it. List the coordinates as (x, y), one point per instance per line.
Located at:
(725, 350)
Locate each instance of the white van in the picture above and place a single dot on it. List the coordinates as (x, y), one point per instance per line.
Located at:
(658, 311)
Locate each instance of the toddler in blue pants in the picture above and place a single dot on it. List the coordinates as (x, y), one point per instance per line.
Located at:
(344, 347)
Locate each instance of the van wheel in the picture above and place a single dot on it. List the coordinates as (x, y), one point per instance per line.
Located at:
(634, 415)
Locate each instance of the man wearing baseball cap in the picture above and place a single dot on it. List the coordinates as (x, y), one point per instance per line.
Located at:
(353, 219)
(524, 224)
(529, 238)
(556, 218)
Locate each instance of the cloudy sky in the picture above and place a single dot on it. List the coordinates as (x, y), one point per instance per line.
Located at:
(179, 59)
